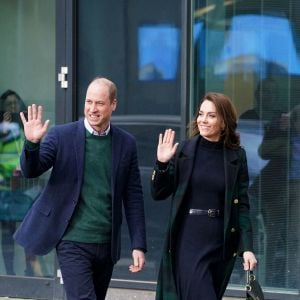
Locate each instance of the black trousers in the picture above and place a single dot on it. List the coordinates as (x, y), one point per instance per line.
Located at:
(86, 269)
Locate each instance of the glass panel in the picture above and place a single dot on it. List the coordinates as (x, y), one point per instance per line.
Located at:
(143, 59)
(27, 59)
(158, 52)
(249, 50)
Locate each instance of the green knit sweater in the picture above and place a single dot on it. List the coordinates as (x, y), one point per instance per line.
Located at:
(91, 222)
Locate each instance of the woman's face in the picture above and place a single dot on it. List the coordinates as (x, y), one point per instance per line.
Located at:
(12, 104)
(210, 124)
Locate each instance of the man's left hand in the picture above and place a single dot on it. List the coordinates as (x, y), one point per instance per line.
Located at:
(138, 261)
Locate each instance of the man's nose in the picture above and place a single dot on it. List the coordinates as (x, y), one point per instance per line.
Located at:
(94, 107)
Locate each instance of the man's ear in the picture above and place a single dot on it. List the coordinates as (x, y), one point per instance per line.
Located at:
(114, 104)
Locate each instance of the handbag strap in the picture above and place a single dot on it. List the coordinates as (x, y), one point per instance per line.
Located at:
(249, 276)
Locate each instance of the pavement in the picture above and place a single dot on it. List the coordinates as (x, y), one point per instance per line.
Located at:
(125, 294)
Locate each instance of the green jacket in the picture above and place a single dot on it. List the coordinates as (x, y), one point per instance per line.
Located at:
(16, 193)
(11, 141)
(237, 226)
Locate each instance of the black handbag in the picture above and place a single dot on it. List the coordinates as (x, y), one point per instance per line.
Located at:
(253, 288)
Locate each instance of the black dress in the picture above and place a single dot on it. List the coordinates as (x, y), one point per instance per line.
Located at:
(199, 246)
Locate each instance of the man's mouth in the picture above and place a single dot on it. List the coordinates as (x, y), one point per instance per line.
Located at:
(94, 117)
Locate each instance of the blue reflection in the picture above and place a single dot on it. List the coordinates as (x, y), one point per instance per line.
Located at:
(253, 43)
(253, 39)
(197, 29)
(158, 49)
(251, 134)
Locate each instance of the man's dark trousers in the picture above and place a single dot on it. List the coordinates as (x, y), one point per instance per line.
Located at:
(86, 269)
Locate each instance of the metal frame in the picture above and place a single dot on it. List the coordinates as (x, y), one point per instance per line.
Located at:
(65, 108)
(186, 65)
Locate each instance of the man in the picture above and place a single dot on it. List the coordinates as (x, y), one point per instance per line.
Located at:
(94, 171)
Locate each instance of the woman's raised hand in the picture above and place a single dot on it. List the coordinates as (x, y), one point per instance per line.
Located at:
(166, 147)
(34, 129)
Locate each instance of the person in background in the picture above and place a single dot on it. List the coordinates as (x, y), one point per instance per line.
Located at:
(265, 101)
(270, 189)
(94, 173)
(12, 185)
(293, 121)
(207, 178)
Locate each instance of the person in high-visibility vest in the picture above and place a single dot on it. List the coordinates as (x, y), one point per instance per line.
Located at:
(13, 202)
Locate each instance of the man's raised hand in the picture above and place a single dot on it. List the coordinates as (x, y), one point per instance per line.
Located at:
(34, 128)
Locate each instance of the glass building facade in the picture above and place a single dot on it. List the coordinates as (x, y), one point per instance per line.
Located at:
(163, 56)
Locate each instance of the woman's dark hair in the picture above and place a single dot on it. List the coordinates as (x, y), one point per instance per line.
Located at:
(22, 107)
(8, 93)
(227, 112)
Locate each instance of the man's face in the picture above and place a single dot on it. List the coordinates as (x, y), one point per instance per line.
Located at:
(98, 107)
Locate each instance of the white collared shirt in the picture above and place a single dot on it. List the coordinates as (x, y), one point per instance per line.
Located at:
(91, 130)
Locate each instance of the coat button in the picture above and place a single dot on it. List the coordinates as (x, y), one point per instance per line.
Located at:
(232, 229)
(236, 201)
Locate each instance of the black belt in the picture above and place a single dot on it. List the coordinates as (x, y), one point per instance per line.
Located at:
(212, 213)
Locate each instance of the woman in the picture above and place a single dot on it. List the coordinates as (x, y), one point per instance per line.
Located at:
(13, 202)
(207, 177)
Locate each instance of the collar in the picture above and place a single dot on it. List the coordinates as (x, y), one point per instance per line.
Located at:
(90, 129)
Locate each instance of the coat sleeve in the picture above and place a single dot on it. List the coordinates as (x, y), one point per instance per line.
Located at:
(164, 182)
(134, 202)
(37, 159)
(246, 240)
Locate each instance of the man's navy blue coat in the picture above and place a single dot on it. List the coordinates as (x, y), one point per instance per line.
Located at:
(63, 150)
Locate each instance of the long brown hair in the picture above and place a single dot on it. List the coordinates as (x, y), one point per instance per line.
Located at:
(227, 112)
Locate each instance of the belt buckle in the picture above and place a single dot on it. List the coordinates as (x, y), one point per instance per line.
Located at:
(212, 213)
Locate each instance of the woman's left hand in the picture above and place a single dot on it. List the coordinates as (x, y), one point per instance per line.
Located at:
(250, 261)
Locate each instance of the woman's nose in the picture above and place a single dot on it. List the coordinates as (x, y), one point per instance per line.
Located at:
(204, 119)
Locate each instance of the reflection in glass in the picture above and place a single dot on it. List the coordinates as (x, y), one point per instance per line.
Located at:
(158, 52)
(255, 60)
(16, 193)
(27, 59)
(248, 49)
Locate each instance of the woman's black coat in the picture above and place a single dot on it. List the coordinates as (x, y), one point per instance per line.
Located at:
(237, 226)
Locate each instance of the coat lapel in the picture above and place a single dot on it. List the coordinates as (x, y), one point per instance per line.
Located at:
(116, 152)
(231, 161)
(185, 167)
(79, 147)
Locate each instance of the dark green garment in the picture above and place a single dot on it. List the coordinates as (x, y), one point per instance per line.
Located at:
(92, 221)
(173, 181)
